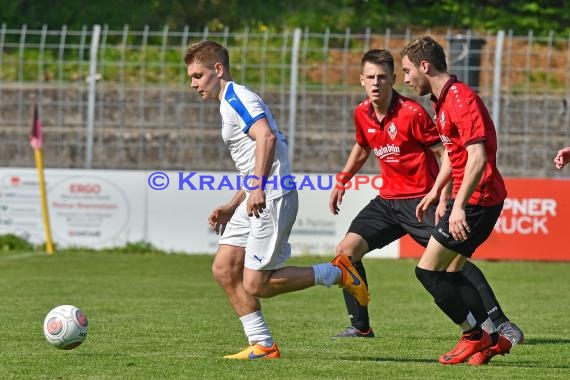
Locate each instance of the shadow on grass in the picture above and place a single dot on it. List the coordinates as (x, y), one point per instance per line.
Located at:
(389, 359)
(502, 364)
(543, 341)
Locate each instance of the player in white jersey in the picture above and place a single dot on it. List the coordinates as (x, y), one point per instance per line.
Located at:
(254, 226)
(240, 109)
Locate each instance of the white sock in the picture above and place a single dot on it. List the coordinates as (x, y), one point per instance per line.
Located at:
(469, 323)
(256, 329)
(326, 274)
(489, 326)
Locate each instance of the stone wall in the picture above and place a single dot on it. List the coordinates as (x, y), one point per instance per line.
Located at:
(158, 128)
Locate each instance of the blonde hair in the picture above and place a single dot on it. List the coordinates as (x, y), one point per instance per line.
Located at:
(208, 53)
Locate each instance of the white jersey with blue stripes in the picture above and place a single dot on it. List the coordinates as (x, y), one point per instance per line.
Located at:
(240, 109)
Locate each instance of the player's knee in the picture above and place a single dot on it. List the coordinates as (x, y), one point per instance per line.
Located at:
(351, 248)
(255, 288)
(344, 248)
(262, 284)
(223, 274)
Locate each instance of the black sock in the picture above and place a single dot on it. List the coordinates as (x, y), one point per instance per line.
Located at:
(445, 293)
(470, 296)
(358, 314)
(476, 277)
(494, 338)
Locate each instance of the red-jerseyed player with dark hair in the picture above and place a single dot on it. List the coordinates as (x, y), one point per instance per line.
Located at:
(404, 138)
(468, 134)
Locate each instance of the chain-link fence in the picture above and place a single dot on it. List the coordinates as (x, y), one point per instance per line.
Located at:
(121, 99)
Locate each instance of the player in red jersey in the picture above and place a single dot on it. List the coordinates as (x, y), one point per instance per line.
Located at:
(468, 134)
(404, 138)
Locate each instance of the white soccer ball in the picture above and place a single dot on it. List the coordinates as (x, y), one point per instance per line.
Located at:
(65, 327)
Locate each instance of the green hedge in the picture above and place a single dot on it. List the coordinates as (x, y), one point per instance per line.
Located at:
(518, 15)
(10, 243)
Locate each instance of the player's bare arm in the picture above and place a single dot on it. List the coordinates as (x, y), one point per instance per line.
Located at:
(265, 141)
(443, 198)
(476, 162)
(221, 215)
(358, 156)
(441, 190)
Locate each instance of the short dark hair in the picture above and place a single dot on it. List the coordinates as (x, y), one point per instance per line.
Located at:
(425, 49)
(208, 53)
(378, 57)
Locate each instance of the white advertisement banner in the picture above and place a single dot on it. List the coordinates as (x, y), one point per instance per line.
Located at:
(87, 208)
(105, 208)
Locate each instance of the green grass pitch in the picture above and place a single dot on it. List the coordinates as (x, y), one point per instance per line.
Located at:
(155, 316)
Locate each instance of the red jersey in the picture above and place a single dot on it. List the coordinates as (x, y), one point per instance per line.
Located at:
(401, 142)
(462, 119)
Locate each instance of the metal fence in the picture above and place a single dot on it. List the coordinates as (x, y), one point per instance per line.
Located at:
(120, 98)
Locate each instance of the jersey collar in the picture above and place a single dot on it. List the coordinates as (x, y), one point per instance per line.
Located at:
(393, 104)
(437, 102)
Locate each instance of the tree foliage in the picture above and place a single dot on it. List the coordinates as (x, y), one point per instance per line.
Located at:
(541, 16)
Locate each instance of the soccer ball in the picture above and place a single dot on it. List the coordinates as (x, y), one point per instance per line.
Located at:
(65, 327)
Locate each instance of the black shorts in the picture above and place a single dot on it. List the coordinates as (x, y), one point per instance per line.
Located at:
(481, 221)
(383, 221)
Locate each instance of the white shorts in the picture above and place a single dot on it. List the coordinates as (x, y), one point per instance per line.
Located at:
(266, 239)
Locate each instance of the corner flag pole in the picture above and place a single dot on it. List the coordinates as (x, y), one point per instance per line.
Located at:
(36, 141)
